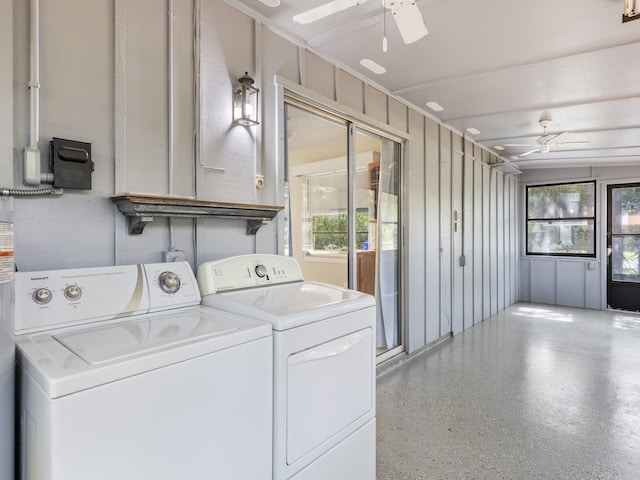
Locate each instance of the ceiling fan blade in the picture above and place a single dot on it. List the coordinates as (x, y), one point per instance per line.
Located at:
(325, 10)
(551, 138)
(409, 21)
(517, 145)
(572, 144)
(271, 3)
(529, 152)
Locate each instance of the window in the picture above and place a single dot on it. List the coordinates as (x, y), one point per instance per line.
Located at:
(561, 219)
(325, 212)
(330, 232)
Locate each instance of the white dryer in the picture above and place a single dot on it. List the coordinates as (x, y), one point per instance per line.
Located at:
(324, 363)
(123, 375)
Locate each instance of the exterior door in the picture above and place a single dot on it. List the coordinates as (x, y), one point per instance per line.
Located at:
(623, 247)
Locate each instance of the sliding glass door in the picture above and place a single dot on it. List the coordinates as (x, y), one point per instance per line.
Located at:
(344, 211)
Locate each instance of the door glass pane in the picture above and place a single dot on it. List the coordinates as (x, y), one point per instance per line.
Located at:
(625, 252)
(377, 258)
(626, 210)
(318, 189)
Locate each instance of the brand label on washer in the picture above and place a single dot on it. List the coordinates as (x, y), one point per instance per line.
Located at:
(6, 252)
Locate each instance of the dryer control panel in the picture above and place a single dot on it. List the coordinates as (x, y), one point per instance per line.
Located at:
(247, 271)
(58, 298)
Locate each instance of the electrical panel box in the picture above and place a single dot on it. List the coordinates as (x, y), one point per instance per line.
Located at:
(71, 163)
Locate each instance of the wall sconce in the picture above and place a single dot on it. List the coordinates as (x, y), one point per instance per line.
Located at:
(245, 102)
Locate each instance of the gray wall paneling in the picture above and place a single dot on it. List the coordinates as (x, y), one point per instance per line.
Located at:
(415, 273)
(432, 285)
(468, 231)
(397, 115)
(6, 102)
(486, 241)
(478, 247)
(375, 104)
(350, 91)
(446, 227)
(319, 75)
(457, 232)
(493, 241)
(515, 239)
(500, 199)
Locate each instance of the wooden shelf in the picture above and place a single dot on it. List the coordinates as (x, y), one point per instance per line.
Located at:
(140, 209)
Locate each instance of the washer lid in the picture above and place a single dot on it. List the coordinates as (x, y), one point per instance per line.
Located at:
(107, 343)
(291, 305)
(73, 359)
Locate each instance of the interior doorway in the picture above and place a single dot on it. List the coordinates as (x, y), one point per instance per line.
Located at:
(623, 247)
(344, 210)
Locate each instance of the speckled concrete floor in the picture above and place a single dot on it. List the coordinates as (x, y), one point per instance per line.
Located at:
(534, 392)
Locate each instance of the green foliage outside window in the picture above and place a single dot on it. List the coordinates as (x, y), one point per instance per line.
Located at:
(330, 231)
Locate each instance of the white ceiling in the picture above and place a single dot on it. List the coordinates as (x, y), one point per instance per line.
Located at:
(500, 66)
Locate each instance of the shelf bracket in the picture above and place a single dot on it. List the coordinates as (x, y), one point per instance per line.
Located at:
(137, 224)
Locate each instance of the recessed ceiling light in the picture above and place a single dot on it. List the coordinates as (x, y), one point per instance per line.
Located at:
(473, 131)
(373, 66)
(436, 107)
(499, 147)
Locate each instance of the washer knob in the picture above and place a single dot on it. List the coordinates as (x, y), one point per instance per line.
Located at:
(73, 292)
(169, 282)
(261, 271)
(42, 296)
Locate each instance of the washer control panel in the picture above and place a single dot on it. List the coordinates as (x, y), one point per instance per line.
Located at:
(247, 271)
(48, 299)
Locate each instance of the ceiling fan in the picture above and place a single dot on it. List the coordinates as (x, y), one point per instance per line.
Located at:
(546, 142)
(405, 13)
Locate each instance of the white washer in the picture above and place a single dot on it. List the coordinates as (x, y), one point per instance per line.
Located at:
(324, 363)
(110, 391)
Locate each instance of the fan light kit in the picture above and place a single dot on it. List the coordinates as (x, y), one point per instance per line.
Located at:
(546, 142)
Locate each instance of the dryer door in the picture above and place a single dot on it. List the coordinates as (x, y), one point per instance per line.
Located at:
(329, 387)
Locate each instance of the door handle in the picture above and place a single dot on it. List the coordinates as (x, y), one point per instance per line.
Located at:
(330, 349)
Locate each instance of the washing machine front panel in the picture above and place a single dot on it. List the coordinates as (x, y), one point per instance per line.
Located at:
(328, 388)
(324, 388)
(161, 425)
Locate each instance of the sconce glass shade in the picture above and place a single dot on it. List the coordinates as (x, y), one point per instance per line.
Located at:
(246, 102)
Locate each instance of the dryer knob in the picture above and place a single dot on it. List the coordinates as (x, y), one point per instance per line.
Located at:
(42, 296)
(169, 282)
(73, 292)
(261, 271)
